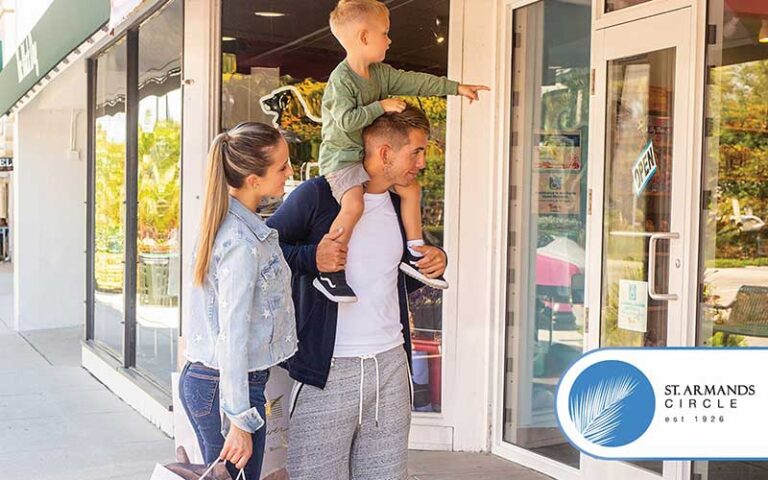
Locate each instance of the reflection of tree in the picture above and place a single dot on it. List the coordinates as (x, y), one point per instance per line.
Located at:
(743, 149)
(159, 187)
(158, 200)
(109, 195)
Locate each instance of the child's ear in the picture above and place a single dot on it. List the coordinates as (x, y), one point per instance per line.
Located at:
(363, 36)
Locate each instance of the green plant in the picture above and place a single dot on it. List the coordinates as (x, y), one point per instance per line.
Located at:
(719, 340)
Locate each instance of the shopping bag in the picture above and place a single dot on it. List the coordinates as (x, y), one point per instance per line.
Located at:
(184, 470)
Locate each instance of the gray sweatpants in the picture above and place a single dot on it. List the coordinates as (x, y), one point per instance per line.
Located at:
(331, 437)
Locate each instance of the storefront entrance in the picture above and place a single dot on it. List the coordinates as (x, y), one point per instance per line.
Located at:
(602, 207)
(642, 177)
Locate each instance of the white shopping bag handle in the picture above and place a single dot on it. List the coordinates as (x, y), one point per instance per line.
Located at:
(218, 461)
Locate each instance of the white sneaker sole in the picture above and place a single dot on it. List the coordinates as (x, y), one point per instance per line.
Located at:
(432, 282)
(319, 285)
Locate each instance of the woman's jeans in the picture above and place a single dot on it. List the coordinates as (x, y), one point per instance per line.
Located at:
(199, 391)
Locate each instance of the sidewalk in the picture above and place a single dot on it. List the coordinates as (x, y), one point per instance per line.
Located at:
(57, 422)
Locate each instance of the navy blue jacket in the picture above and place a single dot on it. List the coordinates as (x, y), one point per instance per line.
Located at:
(301, 222)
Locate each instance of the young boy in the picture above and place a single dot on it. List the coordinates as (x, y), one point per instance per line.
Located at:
(357, 93)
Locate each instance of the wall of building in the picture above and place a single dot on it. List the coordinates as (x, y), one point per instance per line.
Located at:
(49, 206)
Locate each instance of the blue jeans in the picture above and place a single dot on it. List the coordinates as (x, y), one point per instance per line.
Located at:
(199, 391)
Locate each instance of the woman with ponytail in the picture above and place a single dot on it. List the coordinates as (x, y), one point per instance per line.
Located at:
(241, 318)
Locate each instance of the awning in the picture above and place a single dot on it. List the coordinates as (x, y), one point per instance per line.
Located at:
(122, 9)
(58, 32)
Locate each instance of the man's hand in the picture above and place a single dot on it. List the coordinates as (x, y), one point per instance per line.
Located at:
(470, 91)
(433, 263)
(393, 105)
(331, 255)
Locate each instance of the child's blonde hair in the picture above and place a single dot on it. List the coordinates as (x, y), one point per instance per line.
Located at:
(348, 12)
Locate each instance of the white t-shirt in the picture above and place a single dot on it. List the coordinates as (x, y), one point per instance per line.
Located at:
(372, 325)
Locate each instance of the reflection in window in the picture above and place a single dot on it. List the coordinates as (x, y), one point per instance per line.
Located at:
(274, 71)
(734, 240)
(109, 255)
(613, 5)
(548, 172)
(158, 282)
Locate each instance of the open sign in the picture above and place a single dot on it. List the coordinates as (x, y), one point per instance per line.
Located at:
(644, 169)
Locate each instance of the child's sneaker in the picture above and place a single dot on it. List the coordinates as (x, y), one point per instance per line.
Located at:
(335, 287)
(409, 267)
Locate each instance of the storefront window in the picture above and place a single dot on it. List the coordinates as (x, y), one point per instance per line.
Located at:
(154, 173)
(109, 255)
(274, 70)
(733, 306)
(159, 161)
(547, 224)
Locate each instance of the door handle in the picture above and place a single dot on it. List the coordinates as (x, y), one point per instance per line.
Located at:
(652, 266)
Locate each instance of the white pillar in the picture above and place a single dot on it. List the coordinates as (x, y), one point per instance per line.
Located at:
(49, 206)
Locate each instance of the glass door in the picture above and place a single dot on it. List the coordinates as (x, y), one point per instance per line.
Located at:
(641, 173)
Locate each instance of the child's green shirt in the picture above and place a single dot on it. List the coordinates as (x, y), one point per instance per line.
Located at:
(351, 103)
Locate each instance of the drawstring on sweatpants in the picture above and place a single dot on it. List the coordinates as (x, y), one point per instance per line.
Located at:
(363, 358)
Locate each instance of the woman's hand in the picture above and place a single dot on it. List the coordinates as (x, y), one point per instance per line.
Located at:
(238, 447)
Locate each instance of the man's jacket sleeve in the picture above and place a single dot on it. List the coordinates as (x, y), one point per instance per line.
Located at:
(292, 222)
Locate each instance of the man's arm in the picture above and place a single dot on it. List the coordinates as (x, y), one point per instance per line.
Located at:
(292, 222)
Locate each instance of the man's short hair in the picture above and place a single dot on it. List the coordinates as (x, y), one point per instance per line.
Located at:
(347, 12)
(396, 127)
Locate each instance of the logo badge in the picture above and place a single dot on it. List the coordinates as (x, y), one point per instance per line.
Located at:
(611, 403)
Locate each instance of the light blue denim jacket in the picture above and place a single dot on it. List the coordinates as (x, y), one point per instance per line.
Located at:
(242, 319)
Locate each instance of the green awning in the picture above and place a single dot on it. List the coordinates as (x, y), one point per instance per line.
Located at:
(59, 31)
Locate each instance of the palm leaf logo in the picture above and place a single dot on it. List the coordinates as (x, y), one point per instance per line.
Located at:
(597, 412)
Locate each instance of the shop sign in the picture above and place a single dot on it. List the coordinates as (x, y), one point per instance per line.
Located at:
(644, 169)
(671, 404)
(633, 305)
(6, 164)
(559, 192)
(557, 162)
(26, 58)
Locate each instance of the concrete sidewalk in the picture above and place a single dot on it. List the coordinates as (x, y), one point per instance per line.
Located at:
(57, 422)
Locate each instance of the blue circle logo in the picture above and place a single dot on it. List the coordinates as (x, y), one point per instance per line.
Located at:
(611, 403)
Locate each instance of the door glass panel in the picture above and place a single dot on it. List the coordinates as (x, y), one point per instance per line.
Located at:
(109, 256)
(638, 182)
(733, 267)
(613, 5)
(159, 270)
(548, 170)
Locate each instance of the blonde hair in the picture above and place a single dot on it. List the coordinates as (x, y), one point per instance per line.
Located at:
(348, 12)
(235, 154)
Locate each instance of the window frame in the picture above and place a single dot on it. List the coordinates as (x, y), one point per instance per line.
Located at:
(127, 363)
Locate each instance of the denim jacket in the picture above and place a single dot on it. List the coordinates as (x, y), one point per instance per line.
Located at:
(242, 318)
